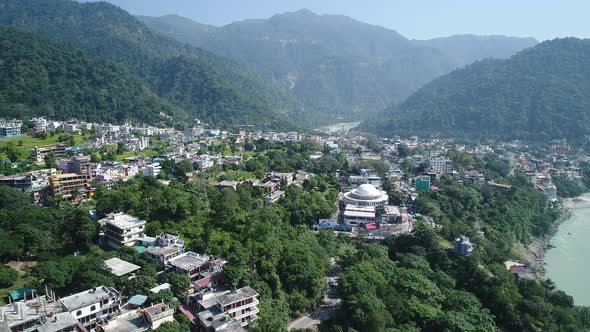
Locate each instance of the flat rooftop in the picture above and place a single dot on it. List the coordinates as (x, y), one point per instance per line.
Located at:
(87, 298)
(120, 267)
(131, 321)
(235, 296)
(121, 220)
(29, 311)
(189, 260)
(59, 322)
(158, 309)
(164, 251)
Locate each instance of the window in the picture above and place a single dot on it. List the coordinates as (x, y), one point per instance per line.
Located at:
(79, 313)
(105, 301)
(93, 308)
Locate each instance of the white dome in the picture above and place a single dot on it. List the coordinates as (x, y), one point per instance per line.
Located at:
(366, 191)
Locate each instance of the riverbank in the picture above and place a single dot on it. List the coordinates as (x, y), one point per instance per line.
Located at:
(334, 128)
(534, 253)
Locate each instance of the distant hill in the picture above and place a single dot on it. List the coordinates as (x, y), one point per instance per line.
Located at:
(38, 77)
(334, 65)
(541, 93)
(467, 49)
(206, 86)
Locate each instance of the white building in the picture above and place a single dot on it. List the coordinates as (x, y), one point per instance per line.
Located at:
(366, 195)
(355, 215)
(93, 304)
(152, 170)
(39, 124)
(10, 128)
(166, 247)
(229, 308)
(441, 165)
(122, 229)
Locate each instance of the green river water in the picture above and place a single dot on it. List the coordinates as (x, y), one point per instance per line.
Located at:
(568, 263)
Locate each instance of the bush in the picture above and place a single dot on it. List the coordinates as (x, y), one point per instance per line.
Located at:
(8, 276)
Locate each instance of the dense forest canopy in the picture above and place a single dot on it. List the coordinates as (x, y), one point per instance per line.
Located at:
(39, 77)
(542, 93)
(204, 85)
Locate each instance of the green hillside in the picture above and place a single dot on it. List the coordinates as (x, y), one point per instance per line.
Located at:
(336, 66)
(38, 77)
(206, 86)
(541, 93)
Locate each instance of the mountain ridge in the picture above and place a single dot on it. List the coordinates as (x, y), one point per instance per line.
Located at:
(541, 93)
(333, 64)
(207, 86)
(42, 78)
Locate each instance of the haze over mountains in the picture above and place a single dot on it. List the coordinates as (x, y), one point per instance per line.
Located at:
(336, 66)
(292, 70)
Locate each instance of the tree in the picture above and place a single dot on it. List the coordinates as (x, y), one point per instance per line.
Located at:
(179, 283)
(8, 276)
(11, 151)
(50, 161)
(402, 150)
(170, 327)
(140, 285)
(121, 148)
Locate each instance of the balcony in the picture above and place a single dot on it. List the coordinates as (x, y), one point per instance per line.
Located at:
(254, 303)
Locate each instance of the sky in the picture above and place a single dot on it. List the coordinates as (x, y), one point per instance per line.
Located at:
(417, 19)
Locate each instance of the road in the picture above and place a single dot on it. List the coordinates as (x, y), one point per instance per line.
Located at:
(329, 306)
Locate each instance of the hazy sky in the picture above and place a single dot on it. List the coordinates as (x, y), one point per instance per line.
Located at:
(542, 19)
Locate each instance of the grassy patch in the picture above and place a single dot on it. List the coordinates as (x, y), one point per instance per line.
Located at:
(24, 280)
(143, 153)
(26, 144)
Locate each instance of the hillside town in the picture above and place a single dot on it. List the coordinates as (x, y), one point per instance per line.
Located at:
(375, 201)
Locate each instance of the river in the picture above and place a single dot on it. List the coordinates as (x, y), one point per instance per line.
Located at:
(567, 263)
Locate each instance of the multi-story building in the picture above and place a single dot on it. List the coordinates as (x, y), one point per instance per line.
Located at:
(9, 129)
(365, 195)
(228, 308)
(158, 314)
(284, 178)
(189, 263)
(38, 313)
(392, 215)
(93, 304)
(72, 128)
(39, 124)
(441, 165)
(22, 183)
(59, 151)
(66, 184)
(122, 230)
(355, 215)
(152, 170)
(274, 197)
(166, 247)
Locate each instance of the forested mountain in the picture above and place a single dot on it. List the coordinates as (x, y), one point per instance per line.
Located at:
(541, 93)
(333, 64)
(467, 49)
(205, 85)
(38, 77)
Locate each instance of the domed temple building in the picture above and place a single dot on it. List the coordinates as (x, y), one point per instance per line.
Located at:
(366, 195)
